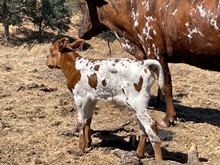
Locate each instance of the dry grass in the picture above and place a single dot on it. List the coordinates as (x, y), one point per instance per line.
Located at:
(36, 106)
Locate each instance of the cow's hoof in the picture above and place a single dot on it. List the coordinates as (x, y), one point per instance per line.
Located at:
(88, 149)
(167, 123)
(75, 153)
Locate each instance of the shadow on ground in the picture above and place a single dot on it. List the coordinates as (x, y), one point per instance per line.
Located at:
(31, 37)
(112, 141)
(194, 114)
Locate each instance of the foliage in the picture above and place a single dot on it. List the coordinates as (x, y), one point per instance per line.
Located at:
(74, 5)
(10, 14)
(48, 14)
(108, 36)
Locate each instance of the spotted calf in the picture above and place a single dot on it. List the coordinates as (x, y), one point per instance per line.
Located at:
(118, 80)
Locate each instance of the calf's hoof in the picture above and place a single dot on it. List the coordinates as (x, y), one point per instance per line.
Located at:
(140, 155)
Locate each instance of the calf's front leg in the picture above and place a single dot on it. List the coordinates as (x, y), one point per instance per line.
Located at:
(85, 108)
(85, 139)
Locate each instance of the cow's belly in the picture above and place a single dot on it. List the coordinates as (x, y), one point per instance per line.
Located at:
(201, 60)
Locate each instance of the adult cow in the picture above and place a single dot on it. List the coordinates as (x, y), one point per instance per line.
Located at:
(185, 31)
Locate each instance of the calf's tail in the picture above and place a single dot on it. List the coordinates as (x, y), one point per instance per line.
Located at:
(159, 71)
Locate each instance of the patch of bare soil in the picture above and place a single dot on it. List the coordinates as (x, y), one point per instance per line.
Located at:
(36, 108)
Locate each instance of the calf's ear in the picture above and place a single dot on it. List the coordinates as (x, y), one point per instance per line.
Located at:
(77, 44)
(63, 42)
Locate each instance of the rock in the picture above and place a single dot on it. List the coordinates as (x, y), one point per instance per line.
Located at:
(127, 158)
(193, 155)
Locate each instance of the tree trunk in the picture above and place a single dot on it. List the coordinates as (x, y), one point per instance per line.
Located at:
(6, 26)
(109, 48)
(40, 31)
(6, 33)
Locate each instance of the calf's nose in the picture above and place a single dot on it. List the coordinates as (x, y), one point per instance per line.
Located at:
(49, 64)
(48, 55)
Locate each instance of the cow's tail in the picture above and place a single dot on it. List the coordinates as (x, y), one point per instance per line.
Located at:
(156, 66)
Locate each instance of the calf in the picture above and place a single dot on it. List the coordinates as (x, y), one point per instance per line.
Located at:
(118, 80)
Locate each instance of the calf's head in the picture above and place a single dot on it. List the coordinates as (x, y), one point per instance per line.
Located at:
(59, 52)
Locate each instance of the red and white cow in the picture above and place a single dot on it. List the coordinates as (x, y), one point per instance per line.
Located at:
(118, 80)
(185, 31)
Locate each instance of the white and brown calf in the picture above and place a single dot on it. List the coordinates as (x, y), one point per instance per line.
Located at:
(118, 80)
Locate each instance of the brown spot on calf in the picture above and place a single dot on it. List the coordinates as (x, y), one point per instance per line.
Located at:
(138, 86)
(104, 83)
(92, 79)
(96, 67)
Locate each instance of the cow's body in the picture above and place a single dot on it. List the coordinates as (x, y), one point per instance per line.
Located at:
(119, 80)
(167, 30)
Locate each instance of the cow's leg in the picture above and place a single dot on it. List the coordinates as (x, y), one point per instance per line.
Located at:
(149, 127)
(170, 111)
(159, 97)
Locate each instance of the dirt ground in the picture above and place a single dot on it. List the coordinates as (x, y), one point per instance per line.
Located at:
(36, 107)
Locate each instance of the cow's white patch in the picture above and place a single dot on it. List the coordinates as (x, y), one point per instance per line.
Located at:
(145, 36)
(213, 22)
(174, 13)
(135, 17)
(212, 18)
(192, 31)
(135, 23)
(126, 44)
(156, 51)
(201, 10)
(148, 30)
(209, 44)
(148, 27)
(143, 42)
(146, 5)
(166, 7)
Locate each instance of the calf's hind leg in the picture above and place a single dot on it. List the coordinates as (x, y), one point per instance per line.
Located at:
(148, 127)
(141, 145)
